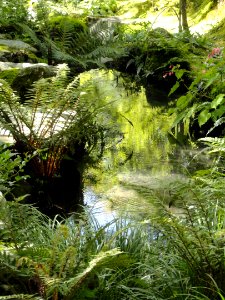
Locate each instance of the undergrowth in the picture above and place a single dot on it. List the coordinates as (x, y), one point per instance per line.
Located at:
(179, 256)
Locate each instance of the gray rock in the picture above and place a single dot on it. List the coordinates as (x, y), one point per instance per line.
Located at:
(163, 32)
(20, 56)
(17, 44)
(11, 65)
(29, 74)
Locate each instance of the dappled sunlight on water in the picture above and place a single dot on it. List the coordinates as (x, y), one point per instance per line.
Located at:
(142, 167)
(141, 153)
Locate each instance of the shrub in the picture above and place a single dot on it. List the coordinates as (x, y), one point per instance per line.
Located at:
(13, 11)
(201, 110)
(65, 130)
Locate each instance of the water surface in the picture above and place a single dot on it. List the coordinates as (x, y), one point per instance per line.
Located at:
(141, 161)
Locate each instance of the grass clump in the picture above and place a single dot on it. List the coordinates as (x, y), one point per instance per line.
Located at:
(178, 256)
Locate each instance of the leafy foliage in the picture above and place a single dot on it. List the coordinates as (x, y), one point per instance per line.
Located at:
(151, 54)
(63, 126)
(53, 119)
(99, 8)
(75, 44)
(12, 168)
(202, 107)
(61, 260)
(169, 255)
(13, 11)
(195, 234)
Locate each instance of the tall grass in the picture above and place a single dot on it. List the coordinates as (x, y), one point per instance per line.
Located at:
(165, 256)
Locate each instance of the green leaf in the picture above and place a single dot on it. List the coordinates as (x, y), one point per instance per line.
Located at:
(183, 101)
(218, 112)
(217, 101)
(179, 118)
(140, 67)
(203, 117)
(179, 73)
(204, 105)
(174, 88)
(211, 81)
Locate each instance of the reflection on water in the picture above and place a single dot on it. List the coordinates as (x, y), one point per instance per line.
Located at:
(143, 162)
(98, 207)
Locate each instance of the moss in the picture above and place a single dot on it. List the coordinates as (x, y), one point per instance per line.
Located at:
(61, 24)
(216, 34)
(15, 55)
(202, 11)
(9, 75)
(32, 57)
(4, 48)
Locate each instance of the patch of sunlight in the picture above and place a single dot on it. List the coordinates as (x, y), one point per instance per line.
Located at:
(165, 17)
(129, 14)
(8, 139)
(126, 200)
(170, 23)
(158, 181)
(212, 18)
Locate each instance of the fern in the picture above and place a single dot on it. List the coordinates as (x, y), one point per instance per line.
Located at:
(83, 49)
(51, 121)
(70, 288)
(37, 41)
(57, 256)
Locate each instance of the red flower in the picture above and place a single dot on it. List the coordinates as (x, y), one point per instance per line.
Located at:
(215, 52)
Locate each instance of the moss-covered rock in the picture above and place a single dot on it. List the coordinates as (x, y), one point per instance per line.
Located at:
(11, 55)
(217, 33)
(151, 56)
(22, 75)
(65, 24)
(9, 75)
(27, 76)
(17, 52)
(17, 44)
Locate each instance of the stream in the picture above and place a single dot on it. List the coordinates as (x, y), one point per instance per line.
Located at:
(143, 164)
(140, 164)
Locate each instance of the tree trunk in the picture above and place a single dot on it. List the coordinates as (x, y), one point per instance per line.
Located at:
(180, 21)
(183, 13)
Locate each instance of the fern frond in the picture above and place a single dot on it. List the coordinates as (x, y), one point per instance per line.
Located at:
(216, 145)
(38, 42)
(60, 55)
(73, 285)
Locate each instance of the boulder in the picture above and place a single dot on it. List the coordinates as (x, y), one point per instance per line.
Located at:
(8, 54)
(22, 75)
(17, 44)
(28, 75)
(17, 51)
(9, 74)
(11, 65)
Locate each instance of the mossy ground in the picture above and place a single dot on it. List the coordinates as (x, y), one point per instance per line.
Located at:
(9, 75)
(217, 34)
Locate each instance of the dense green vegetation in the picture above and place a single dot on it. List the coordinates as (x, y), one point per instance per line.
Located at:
(63, 122)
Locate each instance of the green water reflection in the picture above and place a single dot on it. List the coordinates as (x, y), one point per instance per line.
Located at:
(146, 139)
(141, 166)
(140, 159)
